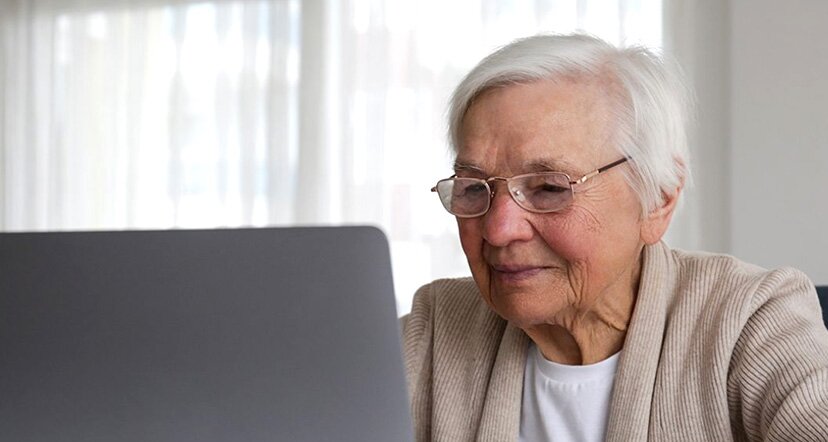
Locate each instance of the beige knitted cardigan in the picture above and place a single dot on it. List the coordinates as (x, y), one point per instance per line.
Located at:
(716, 350)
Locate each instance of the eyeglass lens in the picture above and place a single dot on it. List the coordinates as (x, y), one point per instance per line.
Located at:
(469, 197)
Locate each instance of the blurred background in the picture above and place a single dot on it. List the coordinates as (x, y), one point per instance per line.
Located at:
(147, 114)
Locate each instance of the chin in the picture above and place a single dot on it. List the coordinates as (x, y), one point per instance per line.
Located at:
(524, 309)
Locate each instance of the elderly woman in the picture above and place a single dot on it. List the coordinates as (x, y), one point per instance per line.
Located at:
(579, 323)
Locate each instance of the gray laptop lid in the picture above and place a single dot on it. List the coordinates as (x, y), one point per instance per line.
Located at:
(213, 335)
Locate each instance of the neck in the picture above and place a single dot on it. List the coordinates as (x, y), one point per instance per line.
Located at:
(586, 335)
(577, 345)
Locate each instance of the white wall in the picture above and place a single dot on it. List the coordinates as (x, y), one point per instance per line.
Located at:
(696, 35)
(779, 134)
(760, 148)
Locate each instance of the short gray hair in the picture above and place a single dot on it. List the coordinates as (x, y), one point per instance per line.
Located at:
(651, 103)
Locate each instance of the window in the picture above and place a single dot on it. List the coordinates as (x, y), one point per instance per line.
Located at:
(254, 113)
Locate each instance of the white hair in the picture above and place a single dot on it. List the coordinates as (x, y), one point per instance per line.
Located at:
(648, 99)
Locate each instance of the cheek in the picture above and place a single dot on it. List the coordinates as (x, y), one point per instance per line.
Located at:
(573, 235)
(471, 238)
(592, 241)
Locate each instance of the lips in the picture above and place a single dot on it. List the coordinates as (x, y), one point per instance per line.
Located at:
(515, 272)
(513, 268)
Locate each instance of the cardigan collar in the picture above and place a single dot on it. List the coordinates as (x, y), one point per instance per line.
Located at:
(629, 418)
(505, 387)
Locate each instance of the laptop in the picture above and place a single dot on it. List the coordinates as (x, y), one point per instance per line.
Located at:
(274, 334)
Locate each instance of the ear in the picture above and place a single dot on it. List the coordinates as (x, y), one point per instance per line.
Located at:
(655, 224)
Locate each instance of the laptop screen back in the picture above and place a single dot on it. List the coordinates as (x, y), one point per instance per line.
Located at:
(214, 335)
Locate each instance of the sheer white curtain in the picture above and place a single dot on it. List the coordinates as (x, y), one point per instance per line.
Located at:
(126, 115)
(161, 114)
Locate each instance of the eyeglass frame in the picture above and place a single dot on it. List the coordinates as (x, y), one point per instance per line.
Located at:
(506, 180)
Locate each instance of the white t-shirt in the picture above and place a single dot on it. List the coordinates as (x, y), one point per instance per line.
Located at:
(565, 402)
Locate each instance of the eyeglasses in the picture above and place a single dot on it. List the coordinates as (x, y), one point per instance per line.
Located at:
(541, 192)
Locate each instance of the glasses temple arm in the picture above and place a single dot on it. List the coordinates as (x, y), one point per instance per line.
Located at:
(600, 170)
(613, 164)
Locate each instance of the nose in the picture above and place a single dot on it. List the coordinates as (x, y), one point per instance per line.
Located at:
(505, 222)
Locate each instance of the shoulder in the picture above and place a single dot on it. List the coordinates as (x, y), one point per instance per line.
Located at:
(445, 303)
(723, 281)
(745, 311)
(446, 295)
(714, 301)
(448, 317)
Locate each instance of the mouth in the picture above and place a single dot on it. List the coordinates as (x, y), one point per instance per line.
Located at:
(515, 273)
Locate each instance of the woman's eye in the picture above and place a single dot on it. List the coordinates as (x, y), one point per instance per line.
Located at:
(552, 188)
(545, 188)
(475, 189)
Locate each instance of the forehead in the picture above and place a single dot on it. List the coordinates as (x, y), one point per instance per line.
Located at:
(561, 125)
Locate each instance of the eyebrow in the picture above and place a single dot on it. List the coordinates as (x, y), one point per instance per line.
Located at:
(549, 165)
(467, 167)
(552, 164)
